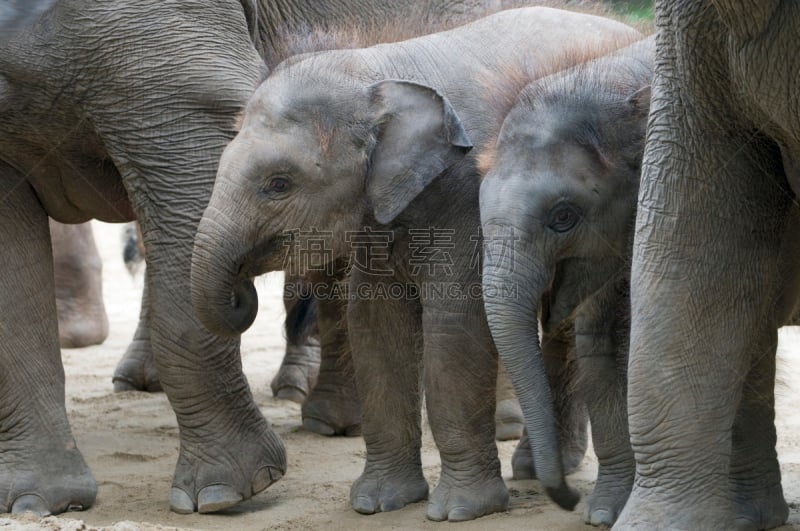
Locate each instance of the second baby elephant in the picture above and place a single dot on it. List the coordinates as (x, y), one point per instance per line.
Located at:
(365, 150)
(557, 203)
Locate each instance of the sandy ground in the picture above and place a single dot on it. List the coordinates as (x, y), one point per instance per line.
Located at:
(130, 441)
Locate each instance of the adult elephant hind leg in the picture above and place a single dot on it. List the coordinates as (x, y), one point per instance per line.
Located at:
(386, 344)
(82, 319)
(460, 375)
(333, 407)
(41, 468)
(755, 476)
(136, 370)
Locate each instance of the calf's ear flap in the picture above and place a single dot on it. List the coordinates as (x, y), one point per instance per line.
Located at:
(418, 136)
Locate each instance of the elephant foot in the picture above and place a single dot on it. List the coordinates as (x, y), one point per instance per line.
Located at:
(508, 419)
(136, 371)
(233, 469)
(765, 510)
(655, 508)
(298, 373)
(378, 491)
(458, 501)
(332, 415)
(46, 481)
(78, 330)
(333, 409)
(610, 494)
(522, 466)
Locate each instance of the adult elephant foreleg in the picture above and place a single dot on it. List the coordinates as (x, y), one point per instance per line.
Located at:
(703, 287)
(755, 476)
(41, 469)
(228, 452)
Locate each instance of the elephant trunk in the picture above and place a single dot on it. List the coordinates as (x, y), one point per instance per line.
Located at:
(513, 286)
(224, 302)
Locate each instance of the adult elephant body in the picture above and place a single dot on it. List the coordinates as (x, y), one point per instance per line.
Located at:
(715, 265)
(365, 150)
(114, 111)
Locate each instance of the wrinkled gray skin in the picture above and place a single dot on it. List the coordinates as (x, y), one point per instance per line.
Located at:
(562, 182)
(78, 269)
(377, 138)
(333, 408)
(715, 265)
(107, 112)
(323, 383)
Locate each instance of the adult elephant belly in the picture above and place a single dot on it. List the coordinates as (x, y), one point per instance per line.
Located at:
(76, 191)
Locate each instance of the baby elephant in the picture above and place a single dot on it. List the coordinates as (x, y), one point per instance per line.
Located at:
(364, 153)
(557, 203)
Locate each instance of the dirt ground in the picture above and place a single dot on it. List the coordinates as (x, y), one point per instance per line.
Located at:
(130, 441)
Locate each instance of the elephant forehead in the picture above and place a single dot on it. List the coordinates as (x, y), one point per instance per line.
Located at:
(259, 150)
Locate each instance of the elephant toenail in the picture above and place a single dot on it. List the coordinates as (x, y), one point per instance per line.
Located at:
(30, 503)
(265, 477)
(180, 502)
(216, 498)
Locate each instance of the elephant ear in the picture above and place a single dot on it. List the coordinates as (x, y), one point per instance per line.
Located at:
(419, 135)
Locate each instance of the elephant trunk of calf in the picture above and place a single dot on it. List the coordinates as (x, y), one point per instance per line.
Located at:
(512, 291)
(223, 301)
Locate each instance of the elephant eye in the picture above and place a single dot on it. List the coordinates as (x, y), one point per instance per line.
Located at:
(563, 217)
(277, 186)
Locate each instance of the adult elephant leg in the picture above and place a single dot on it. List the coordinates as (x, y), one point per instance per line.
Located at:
(703, 286)
(136, 371)
(41, 468)
(78, 269)
(508, 420)
(601, 384)
(569, 408)
(228, 453)
(300, 366)
(386, 342)
(460, 375)
(164, 125)
(755, 476)
(333, 407)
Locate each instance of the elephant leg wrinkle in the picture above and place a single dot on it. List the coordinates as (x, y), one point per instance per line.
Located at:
(41, 468)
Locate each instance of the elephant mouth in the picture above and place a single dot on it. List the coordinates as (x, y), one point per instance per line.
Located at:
(266, 256)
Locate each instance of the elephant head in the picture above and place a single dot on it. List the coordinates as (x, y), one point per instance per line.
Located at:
(558, 194)
(316, 152)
